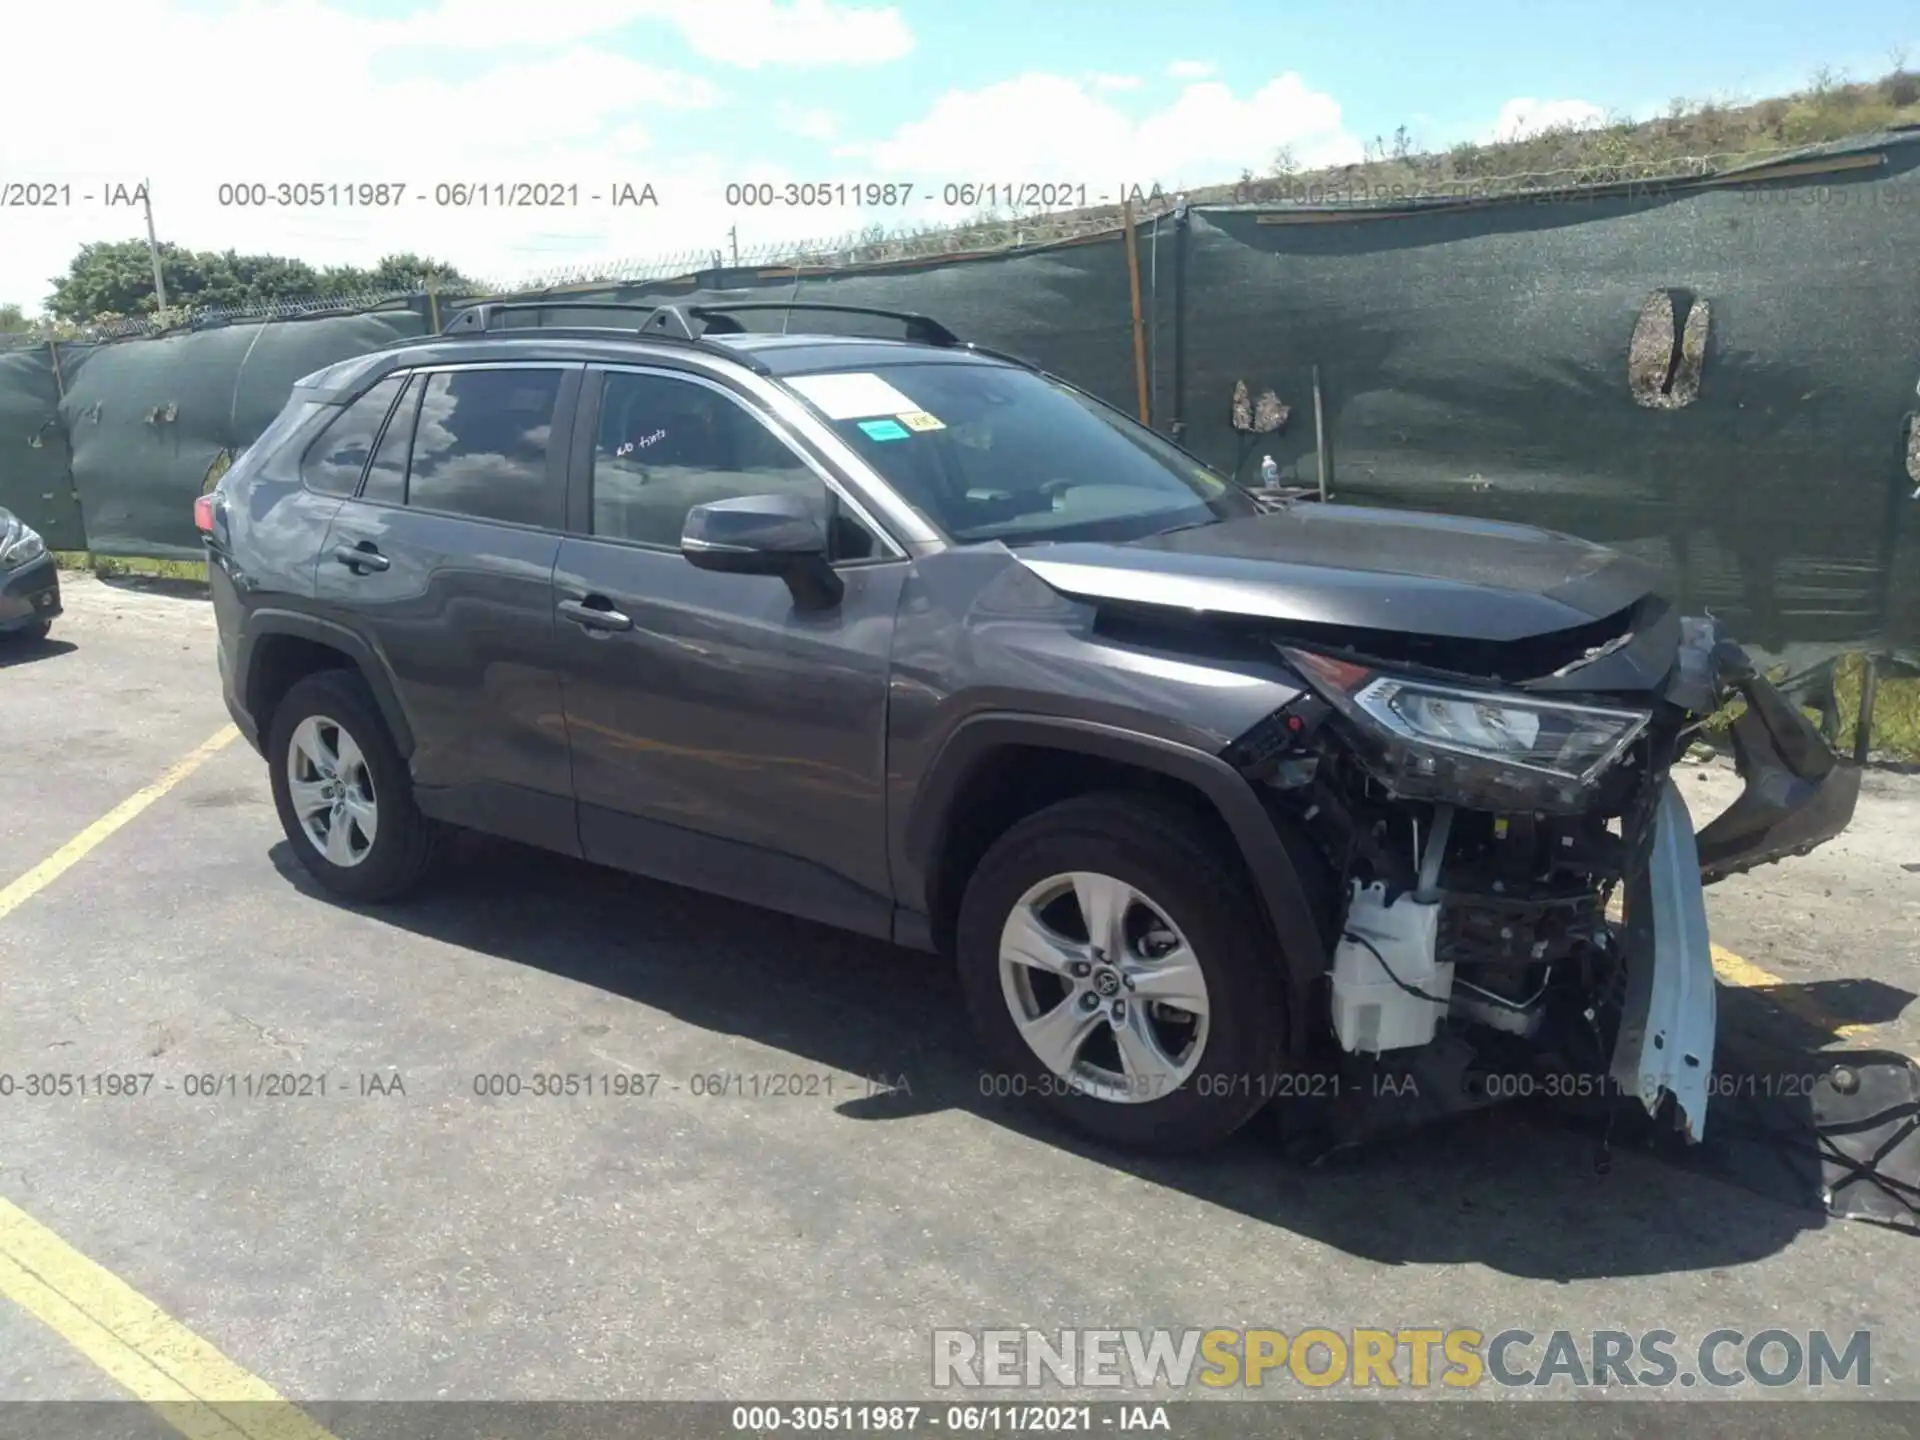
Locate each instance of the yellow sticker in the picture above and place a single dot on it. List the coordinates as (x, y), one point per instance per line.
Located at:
(921, 420)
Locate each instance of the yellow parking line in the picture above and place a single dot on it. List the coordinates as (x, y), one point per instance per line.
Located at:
(1738, 970)
(190, 1385)
(16, 894)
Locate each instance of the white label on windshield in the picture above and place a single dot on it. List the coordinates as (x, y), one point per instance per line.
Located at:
(852, 396)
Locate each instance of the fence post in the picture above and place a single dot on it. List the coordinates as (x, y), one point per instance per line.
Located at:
(433, 305)
(1863, 724)
(1139, 325)
(1177, 428)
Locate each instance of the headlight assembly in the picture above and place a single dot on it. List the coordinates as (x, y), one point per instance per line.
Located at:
(19, 543)
(1495, 744)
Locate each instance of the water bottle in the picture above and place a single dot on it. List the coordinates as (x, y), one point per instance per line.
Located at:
(1269, 473)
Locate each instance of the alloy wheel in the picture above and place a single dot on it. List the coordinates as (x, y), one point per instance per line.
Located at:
(1103, 988)
(332, 791)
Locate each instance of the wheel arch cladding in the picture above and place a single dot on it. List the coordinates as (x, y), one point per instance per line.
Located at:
(1028, 762)
(284, 648)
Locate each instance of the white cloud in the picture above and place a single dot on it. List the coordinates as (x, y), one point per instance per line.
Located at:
(752, 33)
(1191, 69)
(1525, 116)
(808, 124)
(747, 33)
(1049, 127)
(516, 93)
(1114, 82)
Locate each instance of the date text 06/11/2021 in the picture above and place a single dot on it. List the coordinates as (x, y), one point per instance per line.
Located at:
(537, 1084)
(950, 194)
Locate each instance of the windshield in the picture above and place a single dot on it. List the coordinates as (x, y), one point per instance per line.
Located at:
(989, 452)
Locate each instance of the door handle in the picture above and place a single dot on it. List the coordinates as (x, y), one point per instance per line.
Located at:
(357, 558)
(589, 616)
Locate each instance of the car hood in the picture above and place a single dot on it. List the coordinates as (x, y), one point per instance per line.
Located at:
(1338, 567)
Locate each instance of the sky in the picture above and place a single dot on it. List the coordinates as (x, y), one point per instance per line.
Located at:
(691, 97)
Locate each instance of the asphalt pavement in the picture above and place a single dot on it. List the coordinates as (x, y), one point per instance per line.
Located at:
(783, 1175)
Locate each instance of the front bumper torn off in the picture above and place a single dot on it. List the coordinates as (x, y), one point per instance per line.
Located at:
(1798, 795)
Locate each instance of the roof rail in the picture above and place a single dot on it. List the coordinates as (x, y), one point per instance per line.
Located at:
(922, 329)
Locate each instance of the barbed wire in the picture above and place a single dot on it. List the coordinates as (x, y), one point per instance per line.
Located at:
(1368, 185)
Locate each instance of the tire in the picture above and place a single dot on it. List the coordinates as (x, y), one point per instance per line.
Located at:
(1167, 857)
(29, 634)
(404, 842)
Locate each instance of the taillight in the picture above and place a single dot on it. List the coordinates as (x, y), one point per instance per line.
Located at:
(203, 514)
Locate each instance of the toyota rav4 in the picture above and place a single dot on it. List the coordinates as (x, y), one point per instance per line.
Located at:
(1212, 800)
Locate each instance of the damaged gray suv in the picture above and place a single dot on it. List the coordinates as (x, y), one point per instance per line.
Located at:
(1215, 804)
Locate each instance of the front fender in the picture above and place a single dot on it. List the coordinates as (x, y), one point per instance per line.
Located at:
(1282, 893)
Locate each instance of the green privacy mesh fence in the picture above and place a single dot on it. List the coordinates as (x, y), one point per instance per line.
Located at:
(1717, 372)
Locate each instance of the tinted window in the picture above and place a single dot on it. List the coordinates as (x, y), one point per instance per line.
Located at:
(387, 475)
(335, 459)
(666, 445)
(990, 452)
(480, 445)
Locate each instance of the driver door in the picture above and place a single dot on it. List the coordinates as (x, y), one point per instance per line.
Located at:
(721, 738)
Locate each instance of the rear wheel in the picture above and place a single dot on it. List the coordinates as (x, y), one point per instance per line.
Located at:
(1120, 972)
(30, 634)
(343, 792)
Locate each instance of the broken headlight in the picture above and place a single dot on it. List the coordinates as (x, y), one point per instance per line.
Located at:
(1495, 746)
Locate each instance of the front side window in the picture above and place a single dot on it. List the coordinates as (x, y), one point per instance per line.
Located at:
(339, 453)
(666, 445)
(989, 452)
(480, 445)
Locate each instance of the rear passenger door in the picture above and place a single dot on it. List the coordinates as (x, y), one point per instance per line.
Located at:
(443, 561)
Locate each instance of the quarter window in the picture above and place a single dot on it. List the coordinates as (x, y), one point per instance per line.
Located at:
(337, 456)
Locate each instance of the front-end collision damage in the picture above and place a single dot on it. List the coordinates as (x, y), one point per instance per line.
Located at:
(1665, 1043)
(1520, 815)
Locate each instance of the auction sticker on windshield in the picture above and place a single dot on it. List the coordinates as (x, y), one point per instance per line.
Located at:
(921, 420)
(884, 430)
(852, 395)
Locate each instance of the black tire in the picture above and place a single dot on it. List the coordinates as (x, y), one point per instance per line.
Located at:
(1170, 855)
(30, 634)
(405, 842)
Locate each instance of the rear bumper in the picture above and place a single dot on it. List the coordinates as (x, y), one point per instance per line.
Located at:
(29, 595)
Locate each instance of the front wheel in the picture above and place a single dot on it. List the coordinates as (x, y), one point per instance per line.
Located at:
(1120, 971)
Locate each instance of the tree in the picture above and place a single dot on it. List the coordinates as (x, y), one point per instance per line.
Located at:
(13, 320)
(116, 277)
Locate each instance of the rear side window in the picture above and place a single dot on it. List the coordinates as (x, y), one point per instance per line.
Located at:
(337, 456)
(480, 445)
(387, 475)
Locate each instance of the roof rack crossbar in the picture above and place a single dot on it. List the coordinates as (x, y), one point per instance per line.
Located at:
(922, 328)
(660, 323)
(480, 317)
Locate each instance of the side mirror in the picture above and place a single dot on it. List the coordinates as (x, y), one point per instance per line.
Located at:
(764, 535)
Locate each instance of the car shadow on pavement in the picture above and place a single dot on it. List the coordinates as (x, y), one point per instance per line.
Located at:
(16, 651)
(1512, 1189)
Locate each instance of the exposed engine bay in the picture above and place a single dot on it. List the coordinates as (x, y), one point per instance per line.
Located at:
(1518, 882)
(1477, 758)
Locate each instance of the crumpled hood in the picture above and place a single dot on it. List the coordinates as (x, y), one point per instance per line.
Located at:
(1403, 572)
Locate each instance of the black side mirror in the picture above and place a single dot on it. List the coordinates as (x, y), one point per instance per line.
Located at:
(764, 535)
